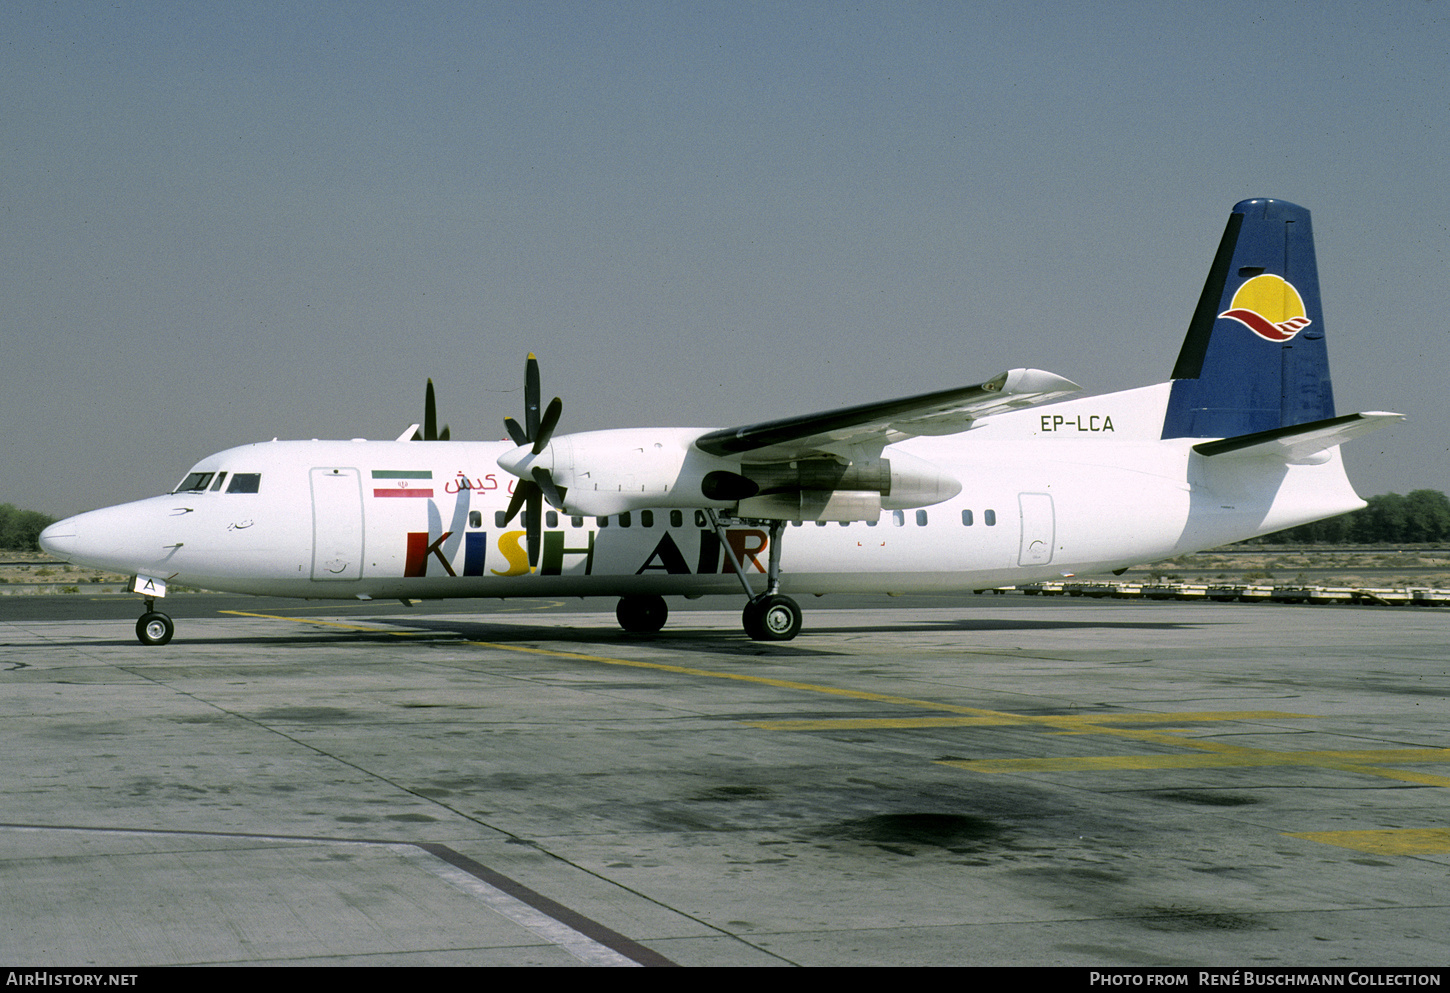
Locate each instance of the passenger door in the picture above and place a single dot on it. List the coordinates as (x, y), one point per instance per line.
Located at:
(1038, 529)
(337, 525)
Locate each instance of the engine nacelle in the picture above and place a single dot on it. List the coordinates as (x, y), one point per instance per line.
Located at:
(902, 481)
(610, 472)
(602, 473)
(917, 483)
(814, 505)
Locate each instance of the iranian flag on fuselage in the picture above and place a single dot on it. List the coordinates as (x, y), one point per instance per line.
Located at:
(402, 483)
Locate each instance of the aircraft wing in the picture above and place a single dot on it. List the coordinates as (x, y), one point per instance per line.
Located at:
(1300, 441)
(872, 426)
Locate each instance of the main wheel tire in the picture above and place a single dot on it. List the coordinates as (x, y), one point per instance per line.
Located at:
(772, 617)
(154, 628)
(641, 613)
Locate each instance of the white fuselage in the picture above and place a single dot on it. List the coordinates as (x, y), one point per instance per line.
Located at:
(1072, 488)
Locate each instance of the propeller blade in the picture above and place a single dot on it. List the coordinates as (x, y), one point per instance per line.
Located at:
(531, 397)
(515, 432)
(545, 481)
(534, 523)
(547, 425)
(530, 492)
(516, 503)
(430, 415)
(428, 430)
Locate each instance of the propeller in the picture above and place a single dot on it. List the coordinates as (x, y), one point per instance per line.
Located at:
(430, 430)
(532, 490)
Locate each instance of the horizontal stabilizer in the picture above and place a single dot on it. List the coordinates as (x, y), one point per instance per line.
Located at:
(1299, 442)
(874, 425)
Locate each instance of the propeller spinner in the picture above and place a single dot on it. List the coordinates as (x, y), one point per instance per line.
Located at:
(538, 485)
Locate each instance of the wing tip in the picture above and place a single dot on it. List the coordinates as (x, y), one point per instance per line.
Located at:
(1036, 381)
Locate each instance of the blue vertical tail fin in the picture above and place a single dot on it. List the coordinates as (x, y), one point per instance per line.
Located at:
(1255, 357)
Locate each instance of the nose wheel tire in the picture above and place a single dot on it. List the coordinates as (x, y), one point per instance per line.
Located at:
(772, 617)
(641, 614)
(154, 628)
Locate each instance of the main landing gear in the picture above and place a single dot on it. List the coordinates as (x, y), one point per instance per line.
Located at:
(771, 616)
(154, 628)
(641, 613)
(767, 617)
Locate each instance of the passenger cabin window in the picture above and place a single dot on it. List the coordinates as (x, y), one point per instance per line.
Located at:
(646, 518)
(990, 517)
(245, 482)
(921, 518)
(966, 518)
(677, 519)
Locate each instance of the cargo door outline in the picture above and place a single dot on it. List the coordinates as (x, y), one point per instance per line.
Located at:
(337, 525)
(1038, 528)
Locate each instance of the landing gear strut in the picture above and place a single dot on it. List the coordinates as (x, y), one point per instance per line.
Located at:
(154, 628)
(771, 616)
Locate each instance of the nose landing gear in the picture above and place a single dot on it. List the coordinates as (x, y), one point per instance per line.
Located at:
(154, 627)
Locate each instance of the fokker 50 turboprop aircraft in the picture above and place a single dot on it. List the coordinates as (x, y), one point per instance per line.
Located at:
(953, 490)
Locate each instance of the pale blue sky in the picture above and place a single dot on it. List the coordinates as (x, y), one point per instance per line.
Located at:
(225, 223)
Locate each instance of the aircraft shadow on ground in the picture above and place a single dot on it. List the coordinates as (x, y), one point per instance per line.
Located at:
(728, 642)
(679, 638)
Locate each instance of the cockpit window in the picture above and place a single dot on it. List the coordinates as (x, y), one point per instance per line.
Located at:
(196, 482)
(241, 482)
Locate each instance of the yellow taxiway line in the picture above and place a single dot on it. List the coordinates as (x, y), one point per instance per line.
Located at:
(1202, 754)
(1399, 841)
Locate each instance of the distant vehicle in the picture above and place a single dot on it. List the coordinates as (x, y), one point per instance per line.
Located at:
(954, 490)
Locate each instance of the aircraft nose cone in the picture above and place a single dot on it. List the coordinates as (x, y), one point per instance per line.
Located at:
(60, 538)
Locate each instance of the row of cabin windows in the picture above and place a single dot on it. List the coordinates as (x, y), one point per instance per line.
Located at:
(200, 482)
(677, 519)
(624, 520)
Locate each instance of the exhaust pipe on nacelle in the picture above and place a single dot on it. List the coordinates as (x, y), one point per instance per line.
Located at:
(825, 489)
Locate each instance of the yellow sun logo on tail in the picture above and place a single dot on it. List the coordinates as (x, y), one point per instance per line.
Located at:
(1270, 307)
